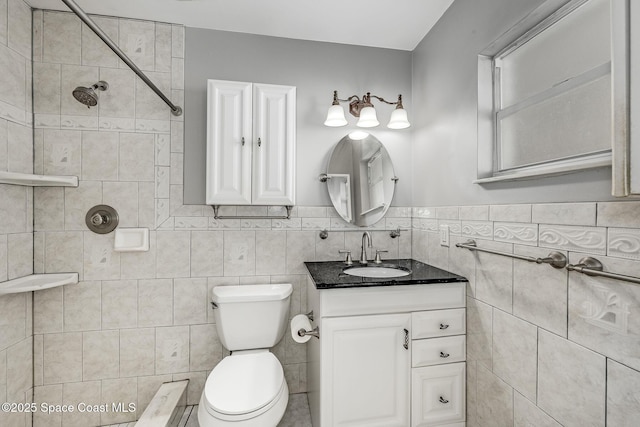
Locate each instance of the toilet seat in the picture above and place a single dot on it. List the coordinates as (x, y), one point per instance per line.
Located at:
(244, 385)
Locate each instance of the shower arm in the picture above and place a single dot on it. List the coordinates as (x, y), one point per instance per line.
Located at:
(175, 110)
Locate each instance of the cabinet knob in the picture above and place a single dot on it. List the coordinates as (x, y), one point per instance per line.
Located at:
(444, 355)
(443, 400)
(443, 326)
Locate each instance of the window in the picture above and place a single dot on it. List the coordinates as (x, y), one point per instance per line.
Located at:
(547, 95)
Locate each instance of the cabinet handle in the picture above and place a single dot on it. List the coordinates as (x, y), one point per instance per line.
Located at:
(406, 340)
(243, 141)
(443, 400)
(443, 326)
(444, 355)
(259, 142)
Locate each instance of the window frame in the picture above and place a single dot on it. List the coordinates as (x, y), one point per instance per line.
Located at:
(533, 24)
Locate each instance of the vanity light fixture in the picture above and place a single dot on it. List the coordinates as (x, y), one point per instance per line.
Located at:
(364, 110)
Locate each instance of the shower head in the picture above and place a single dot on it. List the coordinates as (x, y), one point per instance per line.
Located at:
(88, 95)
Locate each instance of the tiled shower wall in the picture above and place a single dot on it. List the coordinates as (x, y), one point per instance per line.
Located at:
(139, 319)
(545, 347)
(16, 207)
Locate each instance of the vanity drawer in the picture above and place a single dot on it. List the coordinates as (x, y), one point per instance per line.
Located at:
(438, 395)
(437, 323)
(435, 351)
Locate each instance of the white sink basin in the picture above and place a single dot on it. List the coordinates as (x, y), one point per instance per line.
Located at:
(377, 271)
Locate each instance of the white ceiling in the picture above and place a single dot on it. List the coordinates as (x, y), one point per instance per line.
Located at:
(394, 24)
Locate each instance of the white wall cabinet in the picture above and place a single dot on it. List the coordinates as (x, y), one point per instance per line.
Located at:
(251, 143)
(387, 356)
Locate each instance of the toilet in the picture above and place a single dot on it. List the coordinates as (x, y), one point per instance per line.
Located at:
(247, 388)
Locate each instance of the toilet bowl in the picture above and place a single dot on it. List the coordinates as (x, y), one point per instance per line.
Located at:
(247, 388)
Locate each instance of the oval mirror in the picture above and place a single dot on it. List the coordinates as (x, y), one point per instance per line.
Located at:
(360, 179)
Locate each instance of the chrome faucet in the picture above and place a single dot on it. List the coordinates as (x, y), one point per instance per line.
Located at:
(363, 254)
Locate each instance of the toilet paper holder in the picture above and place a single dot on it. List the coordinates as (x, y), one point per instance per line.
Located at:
(315, 332)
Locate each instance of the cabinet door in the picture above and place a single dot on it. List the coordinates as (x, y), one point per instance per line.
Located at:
(365, 380)
(274, 144)
(438, 395)
(228, 142)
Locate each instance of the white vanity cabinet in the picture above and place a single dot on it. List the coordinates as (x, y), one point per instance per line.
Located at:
(251, 143)
(387, 356)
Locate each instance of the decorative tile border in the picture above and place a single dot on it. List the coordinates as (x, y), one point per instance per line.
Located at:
(584, 239)
(519, 233)
(624, 243)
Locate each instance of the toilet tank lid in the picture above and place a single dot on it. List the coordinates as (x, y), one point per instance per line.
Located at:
(243, 293)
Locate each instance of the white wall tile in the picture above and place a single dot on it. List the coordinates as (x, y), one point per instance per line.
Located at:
(100, 355)
(99, 155)
(86, 393)
(119, 304)
(94, 51)
(495, 400)
(564, 213)
(123, 390)
(137, 352)
(20, 255)
(623, 408)
(172, 349)
(239, 253)
(510, 213)
(137, 41)
(155, 302)
(602, 312)
(73, 76)
(100, 260)
(62, 358)
(163, 47)
(571, 382)
(618, 214)
(118, 101)
(515, 345)
(4, 13)
(136, 159)
(19, 26)
(63, 252)
(494, 276)
(82, 304)
(61, 33)
(62, 152)
(207, 253)
(190, 301)
(300, 248)
(205, 348)
(19, 370)
(123, 197)
(48, 311)
(12, 84)
(526, 414)
(173, 254)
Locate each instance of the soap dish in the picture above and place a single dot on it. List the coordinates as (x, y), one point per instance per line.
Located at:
(131, 240)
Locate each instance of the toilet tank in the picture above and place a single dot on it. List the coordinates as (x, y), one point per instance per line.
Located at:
(251, 316)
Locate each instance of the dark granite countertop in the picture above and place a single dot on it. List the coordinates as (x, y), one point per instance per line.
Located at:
(329, 275)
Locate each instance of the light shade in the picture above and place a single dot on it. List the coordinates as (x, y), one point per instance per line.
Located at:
(358, 135)
(368, 118)
(399, 119)
(335, 117)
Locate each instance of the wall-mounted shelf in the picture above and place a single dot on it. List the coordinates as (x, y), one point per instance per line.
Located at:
(32, 180)
(37, 282)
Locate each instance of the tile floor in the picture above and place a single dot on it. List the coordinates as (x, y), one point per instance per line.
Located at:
(296, 415)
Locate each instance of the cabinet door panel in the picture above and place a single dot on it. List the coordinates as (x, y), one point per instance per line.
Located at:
(438, 395)
(228, 158)
(367, 371)
(274, 145)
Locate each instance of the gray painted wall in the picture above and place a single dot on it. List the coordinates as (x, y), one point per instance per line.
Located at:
(445, 115)
(316, 69)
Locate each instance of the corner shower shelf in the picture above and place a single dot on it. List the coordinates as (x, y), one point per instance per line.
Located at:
(32, 180)
(37, 282)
